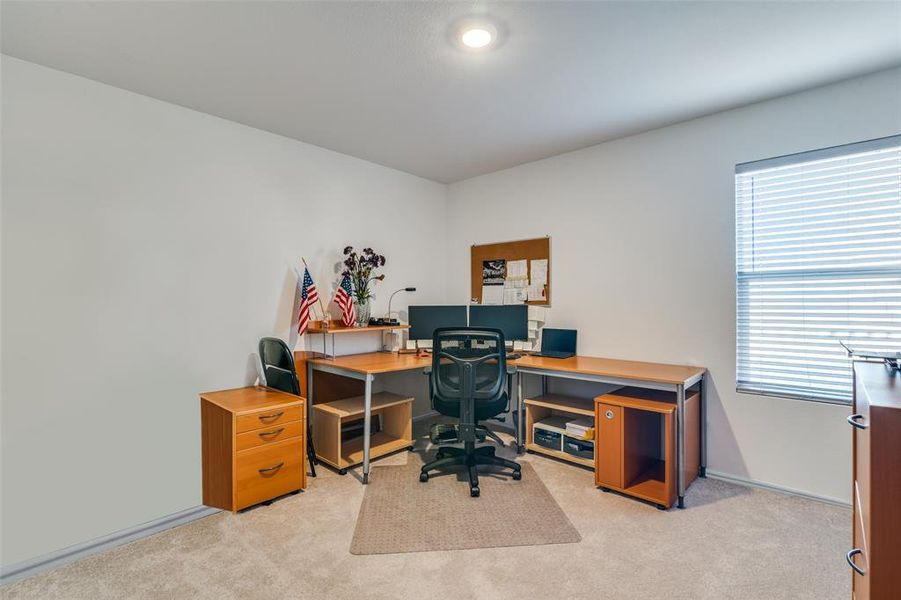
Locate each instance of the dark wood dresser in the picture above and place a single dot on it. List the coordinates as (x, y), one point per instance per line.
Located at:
(876, 554)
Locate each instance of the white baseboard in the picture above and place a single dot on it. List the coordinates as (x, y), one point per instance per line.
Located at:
(27, 568)
(775, 488)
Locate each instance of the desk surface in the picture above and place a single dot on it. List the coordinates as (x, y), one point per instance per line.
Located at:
(611, 367)
(388, 362)
(374, 363)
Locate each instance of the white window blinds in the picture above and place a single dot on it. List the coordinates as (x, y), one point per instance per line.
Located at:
(818, 260)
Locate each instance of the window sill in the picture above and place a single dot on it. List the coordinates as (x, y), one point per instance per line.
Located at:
(788, 396)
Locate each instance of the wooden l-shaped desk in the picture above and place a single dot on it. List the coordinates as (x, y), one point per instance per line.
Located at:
(354, 374)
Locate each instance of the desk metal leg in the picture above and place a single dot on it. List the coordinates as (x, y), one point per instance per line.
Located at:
(680, 443)
(520, 439)
(311, 449)
(702, 396)
(367, 421)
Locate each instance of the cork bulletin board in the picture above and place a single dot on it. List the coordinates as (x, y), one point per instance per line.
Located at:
(527, 250)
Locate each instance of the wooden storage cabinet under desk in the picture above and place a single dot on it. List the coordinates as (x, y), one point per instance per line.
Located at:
(635, 443)
(875, 558)
(393, 412)
(254, 446)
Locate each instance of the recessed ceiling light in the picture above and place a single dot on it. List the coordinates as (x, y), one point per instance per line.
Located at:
(477, 34)
(477, 37)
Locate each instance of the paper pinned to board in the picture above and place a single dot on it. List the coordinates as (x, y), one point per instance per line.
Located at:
(514, 295)
(518, 270)
(527, 346)
(493, 294)
(535, 293)
(517, 346)
(538, 270)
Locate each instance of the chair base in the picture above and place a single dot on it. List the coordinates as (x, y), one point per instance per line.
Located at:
(469, 457)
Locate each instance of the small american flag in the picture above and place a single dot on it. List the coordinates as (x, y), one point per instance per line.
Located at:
(308, 295)
(344, 301)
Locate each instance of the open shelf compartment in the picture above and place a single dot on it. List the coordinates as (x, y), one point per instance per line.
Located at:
(394, 411)
(549, 405)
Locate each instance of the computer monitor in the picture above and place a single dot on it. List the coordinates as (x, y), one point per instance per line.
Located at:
(424, 320)
(512, 319)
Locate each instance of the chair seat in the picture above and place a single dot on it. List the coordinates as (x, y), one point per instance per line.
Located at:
(448, 433)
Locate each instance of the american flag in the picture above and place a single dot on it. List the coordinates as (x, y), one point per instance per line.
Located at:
(308, 295)
(344, 301)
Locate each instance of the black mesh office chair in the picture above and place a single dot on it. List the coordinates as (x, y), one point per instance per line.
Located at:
(278, 369)
(468, 380)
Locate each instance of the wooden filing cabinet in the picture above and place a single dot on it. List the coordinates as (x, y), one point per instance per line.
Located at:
(875, 558)
(635, 443)
(254, 446)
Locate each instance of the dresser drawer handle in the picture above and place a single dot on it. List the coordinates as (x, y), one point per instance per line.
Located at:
(272, 470)
(272, 417)
(854, 423)
(268, 435)
(850, 558)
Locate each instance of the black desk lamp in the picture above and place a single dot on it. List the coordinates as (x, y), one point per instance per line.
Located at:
(388, 319)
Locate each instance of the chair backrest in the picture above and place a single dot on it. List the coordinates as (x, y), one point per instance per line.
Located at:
(278, 366)
(468, 362)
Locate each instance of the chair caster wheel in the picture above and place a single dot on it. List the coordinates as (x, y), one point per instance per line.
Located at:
(423, 477)
(342, 471)
(474, 492)
(517, 475)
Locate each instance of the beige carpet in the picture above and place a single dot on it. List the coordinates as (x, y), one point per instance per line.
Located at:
(401, 514)
(731, 542)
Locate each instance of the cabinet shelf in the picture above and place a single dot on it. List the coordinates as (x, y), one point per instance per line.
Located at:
(393, 410)
(570, 404)
(543, 407)
(585, 462)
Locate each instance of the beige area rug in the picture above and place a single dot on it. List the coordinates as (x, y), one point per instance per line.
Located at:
(401, 514)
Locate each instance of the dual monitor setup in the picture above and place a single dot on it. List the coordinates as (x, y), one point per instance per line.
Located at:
(511, 319)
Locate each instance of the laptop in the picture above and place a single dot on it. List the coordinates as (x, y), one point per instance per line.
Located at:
(557, 343)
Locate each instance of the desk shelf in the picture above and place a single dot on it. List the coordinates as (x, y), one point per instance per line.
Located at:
(338, 327)
(395, 412)
(542, 407)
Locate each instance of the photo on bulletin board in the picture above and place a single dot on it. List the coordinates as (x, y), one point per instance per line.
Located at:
(494, 272)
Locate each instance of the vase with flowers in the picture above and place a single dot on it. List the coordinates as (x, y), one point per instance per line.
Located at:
(361, 269)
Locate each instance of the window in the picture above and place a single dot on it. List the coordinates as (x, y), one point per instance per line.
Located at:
(818, 260)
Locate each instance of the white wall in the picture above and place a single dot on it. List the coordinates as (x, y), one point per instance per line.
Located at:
(642, 233)
(145, 250)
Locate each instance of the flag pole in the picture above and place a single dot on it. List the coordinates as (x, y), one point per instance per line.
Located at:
(319, 296)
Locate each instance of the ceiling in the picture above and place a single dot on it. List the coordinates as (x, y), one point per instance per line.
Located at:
(381, 81)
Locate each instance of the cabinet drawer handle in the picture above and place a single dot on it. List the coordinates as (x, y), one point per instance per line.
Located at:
(609, 414)
(271, 469)
(854, 423)
(267, 435)
(850, 558)
(272, 417)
